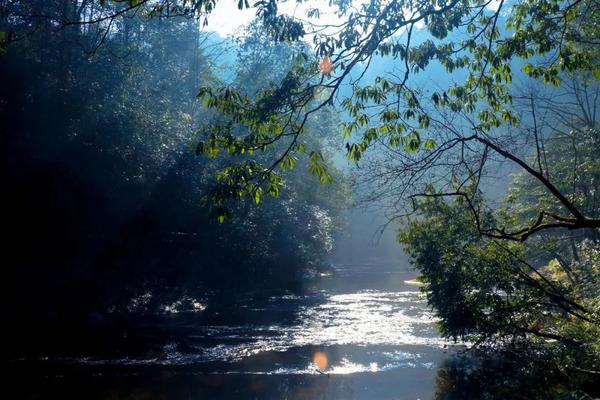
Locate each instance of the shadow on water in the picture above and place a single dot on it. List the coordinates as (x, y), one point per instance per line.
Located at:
(509, 375)
(153, 383)
(457, 378)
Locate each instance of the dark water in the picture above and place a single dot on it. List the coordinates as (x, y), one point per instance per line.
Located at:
(374, 331)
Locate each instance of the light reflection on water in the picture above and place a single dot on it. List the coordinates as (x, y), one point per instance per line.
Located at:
(362, 334)
(366, 318)
(377, 334)
(362, 330)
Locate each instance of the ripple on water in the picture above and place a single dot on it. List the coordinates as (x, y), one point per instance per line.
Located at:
(367, 319)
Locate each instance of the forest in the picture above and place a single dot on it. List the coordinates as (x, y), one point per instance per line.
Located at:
(366, 199)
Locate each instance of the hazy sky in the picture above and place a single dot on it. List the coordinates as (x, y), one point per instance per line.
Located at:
(227, 19)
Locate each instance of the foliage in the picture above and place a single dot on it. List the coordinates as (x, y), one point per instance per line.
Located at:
(475, 40)
(497, 292)
(521, 372)
(102, 181)
(571, 162)
(472, 36)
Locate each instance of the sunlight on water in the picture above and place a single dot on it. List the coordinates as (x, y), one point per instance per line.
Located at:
(363, 318)
(367, 319)
(345, 367)
(348, 367)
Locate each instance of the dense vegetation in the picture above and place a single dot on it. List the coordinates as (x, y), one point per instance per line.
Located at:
(103, 193)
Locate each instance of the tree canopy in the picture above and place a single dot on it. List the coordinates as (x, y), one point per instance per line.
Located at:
(483, 44)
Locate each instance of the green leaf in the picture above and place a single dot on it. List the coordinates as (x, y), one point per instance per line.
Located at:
(257, 195)
(274, 190)
(429, 144)
(596, 72)
(412, 142)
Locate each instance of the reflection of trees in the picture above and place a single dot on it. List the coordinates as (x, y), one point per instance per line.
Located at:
(509, 375)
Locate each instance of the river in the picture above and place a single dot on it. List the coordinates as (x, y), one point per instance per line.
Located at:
(361, 332)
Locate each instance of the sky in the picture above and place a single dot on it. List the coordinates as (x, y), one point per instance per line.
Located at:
(227, 20)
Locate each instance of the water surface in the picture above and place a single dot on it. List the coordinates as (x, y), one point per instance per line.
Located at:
(374, 334)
